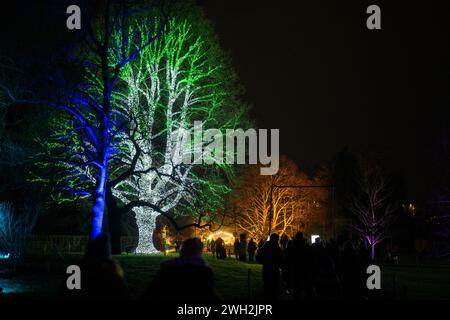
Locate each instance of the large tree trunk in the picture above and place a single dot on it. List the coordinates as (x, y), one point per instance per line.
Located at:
(146, 222)
(98, 210)
(114, 221)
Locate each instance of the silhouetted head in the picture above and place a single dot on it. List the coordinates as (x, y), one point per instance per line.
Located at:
(349, 246)
(100, 247)
(299, 236)
(318, 240)
(190, 248)
(274, 238)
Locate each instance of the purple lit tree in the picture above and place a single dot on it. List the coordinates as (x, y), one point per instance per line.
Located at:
(372, 204)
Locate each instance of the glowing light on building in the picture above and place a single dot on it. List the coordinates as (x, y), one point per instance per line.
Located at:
(314, 237)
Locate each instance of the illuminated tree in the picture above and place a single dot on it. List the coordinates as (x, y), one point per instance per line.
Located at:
(372, 205)
(91, 115)
(15, 229)
(181, 78)
(256, 197)
(175, 78)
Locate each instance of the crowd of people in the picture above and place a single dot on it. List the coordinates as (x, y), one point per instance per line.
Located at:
(291, 268)
(322, 270)
(218, 248)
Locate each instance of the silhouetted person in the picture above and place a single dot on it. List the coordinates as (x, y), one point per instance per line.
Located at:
(325, 280)
(364, 253)
(243, 247)
(284, 241)
(177, 245)
(212, 247)
(271, 257)
(332, 249)
(101, 276)
(350, 272)
(251, 249)
(186, 278)
(221, 251)
(299, 266)
(236, 247)
(261, 243)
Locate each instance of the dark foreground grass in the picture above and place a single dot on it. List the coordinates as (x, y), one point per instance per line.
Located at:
(230, 275)
(42, 276)
(416, 282)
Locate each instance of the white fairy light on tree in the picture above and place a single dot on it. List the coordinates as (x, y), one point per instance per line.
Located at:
(177, 80)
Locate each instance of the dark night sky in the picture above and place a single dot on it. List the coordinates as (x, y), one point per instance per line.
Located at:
(313, 69)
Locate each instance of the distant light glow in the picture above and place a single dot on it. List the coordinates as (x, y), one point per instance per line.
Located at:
(314, 237)
(227, 237)
(4, 256)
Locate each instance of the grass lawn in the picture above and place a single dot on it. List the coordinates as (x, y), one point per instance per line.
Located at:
(231, 276)
(42, 282)
(42, 276)
(416, 282)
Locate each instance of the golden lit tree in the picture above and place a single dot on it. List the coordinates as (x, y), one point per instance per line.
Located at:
(266, 208)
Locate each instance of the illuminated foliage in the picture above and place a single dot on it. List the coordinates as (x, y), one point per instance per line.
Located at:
(181, 78)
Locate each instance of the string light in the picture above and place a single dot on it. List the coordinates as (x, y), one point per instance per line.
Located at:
(170, 85)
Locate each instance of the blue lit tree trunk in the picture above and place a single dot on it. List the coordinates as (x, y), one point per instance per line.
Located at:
(98, 208)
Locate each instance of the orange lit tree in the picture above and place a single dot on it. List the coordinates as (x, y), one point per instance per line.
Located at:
(254, 200)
